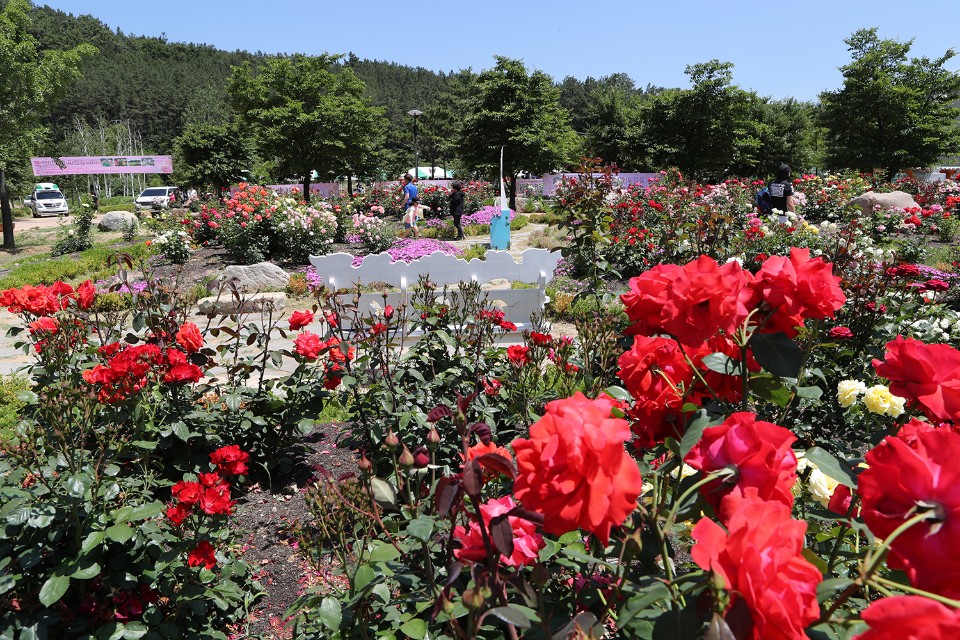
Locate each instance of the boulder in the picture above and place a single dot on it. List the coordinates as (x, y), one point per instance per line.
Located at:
(263, 276)
(883, 201)
(226, 304)
(116, 220)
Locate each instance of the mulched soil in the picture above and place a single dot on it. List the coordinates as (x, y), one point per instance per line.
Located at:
(266, 519)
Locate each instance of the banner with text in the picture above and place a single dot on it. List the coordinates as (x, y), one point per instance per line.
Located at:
(85, 165)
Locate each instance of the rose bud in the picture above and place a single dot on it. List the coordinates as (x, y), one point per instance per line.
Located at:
(392, 440)
(406, 458)
(421, 457)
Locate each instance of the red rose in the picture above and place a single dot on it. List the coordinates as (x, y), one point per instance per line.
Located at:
(725, 386)
(491, 386)
(187, 492)
(840, 333)
(655, 373)
(906, 476)
(336, 352)
(542, 339)
(128, 606)
(796, 288)
(177, 513)
(308, 345)
(388, 311)
(230, 460)
(216, 500)
(189, 337)
(925, 374)
(210, 479)
(179, 369)
(910, 618)
(202, 554)
(759, 559)
(300, 319)
(841, 500)
(86, 292)
(518, 354)
(574, 470)
(691, 303)
(45, 324)
(526, 541)
(758, 451)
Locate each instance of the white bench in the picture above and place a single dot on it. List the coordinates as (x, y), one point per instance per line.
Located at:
(536, 267)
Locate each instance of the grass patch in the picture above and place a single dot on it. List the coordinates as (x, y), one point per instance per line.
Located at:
(333, 411)
(92, 264)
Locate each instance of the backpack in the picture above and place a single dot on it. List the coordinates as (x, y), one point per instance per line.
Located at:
(765, 202)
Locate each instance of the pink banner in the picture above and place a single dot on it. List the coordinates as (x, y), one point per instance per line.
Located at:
(83, 165)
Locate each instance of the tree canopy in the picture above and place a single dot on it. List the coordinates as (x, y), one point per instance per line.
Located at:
(509, 107)
(211, 154)
(307, 117)
(31, 82)
(892, 112)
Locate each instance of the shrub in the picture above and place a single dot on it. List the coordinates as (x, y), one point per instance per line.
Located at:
(10, 403)
(297, 286)
(76, 237)
(475, 251)
(173, 246)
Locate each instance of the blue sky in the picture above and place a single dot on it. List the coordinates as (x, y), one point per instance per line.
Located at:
(778, 49)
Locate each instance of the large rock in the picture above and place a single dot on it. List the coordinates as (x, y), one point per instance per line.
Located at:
(115, 220)
(225, 304)
(263, 276)
(872, 200)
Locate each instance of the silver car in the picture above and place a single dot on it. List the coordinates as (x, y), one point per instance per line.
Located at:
(48, 202)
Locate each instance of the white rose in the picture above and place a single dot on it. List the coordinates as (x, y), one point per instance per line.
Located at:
(821, 486)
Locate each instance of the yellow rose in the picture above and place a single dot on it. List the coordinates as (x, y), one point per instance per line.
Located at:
(879, 400)
(848, 390)
(821, 486)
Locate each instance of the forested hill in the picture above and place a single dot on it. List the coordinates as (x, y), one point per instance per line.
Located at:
(158, 86)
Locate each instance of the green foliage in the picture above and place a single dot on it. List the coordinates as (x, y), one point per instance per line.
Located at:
(94, 264)
(474, 251)
(510, 107)
(306, 117)
(211, 155)
(31, 82)
(891, 112)
(10, 403)
(76, 237)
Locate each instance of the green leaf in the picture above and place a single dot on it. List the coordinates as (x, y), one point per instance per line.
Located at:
(421, 528)
(364, 576)
(814, 559)
(86, 573)
(232, 400)
(77, 485)
(722, 363)
(831, 467)
(511, 615)
(770, 389)
(120, 533)
(830, 587)
(777, 354)
(383, 552)
(28, 397)
(41, 517)
(329, 613)
(812, 393)
(180, 430)
(53, 589)
(695, 431)
(94, 539)
(144, 511)
(135, 630)
(384, 493)
(414, 628)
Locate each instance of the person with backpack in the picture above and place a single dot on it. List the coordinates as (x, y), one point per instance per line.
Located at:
(781, 192)
(456, 207)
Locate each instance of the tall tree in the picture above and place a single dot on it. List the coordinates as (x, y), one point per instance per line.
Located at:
(30, 84)
(520, 111)
(211, 154)
(307, 115)
(614, 129)
(892, 112)
(709, 130)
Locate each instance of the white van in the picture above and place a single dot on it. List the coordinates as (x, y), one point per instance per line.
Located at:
(154, 198)
(47, 200)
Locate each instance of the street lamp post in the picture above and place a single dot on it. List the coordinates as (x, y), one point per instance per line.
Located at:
(416, 113)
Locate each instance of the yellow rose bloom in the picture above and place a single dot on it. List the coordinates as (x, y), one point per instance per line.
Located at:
(848, 390)
(879, 400)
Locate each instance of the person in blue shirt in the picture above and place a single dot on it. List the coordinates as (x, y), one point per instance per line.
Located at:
(409, 192)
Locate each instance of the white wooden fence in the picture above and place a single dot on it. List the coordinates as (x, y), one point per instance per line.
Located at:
(536, 267)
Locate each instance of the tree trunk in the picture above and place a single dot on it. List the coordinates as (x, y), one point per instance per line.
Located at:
(306, 187)
(513, 192)
(350, 185)
(7, 214)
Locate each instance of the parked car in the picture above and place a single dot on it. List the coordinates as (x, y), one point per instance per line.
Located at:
(47, 202)
(154, 198)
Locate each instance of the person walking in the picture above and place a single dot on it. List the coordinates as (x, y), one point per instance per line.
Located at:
(411, 216)
(456, 207)
(781, 192)
(409, 192)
